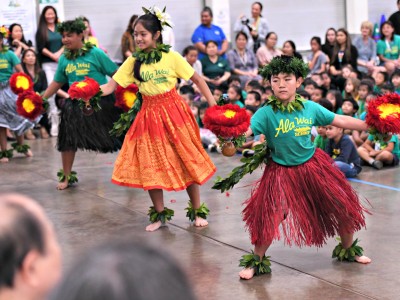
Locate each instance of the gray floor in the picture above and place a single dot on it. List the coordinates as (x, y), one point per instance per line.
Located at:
(95, 209)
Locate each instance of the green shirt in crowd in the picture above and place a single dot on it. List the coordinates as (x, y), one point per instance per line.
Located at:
(54, 43)
(8, 60)
(214, 70)
(289, 134)
(320, 142)
(389, 50)
(94, 64)
(382, 144)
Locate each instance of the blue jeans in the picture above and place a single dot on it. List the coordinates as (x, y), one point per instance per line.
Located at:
(348, 170)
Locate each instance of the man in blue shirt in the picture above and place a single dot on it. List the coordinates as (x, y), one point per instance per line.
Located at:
(206, 32)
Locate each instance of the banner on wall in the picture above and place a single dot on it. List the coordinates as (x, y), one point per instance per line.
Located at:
(221, 15)
(22, 12)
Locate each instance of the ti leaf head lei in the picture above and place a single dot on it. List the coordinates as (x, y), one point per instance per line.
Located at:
(73, 26)
(284, 64)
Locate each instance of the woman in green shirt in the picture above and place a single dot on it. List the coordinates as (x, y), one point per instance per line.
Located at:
(388, 47)
(50, 48)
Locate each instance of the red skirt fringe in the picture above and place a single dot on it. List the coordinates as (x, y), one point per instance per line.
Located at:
(311, 201)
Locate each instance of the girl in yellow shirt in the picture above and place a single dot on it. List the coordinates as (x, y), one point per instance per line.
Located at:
(162, 149)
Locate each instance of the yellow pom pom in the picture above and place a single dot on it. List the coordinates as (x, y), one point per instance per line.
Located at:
(22, 82)
(28, 105)
(229, 113)
(81, 84)
(129, 98)
(388, 109)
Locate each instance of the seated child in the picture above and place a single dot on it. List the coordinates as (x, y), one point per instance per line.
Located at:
(395, 79)
(187, 93)
(343, 152)
(253, 99)
(380, 79)
(321, 139)
(310, 86)
(387, 88)
(351, 88)
(350, 107)
(378, 153)
(335, 97)
(235, 95)
(218, 92)
(317, 79)
(319, 93)
(365, 88)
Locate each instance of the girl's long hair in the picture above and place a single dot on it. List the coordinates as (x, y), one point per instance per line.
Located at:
(347, 51)
(41, 33)
(37, 67)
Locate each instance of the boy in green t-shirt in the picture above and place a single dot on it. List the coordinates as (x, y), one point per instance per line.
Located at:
(379, 153)
(321, 139)
(299, 189)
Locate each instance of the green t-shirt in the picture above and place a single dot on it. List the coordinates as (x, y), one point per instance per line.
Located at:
(382, 145)
(94, 64)
(320, 142)
(54, 43)
(214, 70)
(361, 104)
(8, 60)
(390, 51)
(289, 134)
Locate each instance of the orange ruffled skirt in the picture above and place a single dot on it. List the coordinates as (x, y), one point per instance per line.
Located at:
(162, 149)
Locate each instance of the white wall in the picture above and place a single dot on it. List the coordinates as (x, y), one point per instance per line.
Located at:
(378, 7)
(297, 20)
(109, 18)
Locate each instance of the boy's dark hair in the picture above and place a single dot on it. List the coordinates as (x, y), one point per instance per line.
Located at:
(395, 73)
(368, 84)
(220, 88)
(254, 84)
(188, 49)
(352, 101)
(151, 23)
(326, 103)
(186, 89)
(309, 81)
(234, 78)
(322, 89)
(23, 234)
(256, 94)
(388, 86)
(303, 93)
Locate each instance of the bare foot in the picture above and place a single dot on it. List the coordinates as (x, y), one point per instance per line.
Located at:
(200, 222)
(4, 160)
(247, 273)
(29, 153)
(62, 185)
(363, 259)
(153, 226)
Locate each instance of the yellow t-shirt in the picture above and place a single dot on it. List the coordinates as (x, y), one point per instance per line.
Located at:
(159, 77)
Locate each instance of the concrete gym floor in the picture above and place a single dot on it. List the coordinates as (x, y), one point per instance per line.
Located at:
(94, 210)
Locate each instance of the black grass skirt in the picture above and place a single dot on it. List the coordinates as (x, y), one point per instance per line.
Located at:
(77, 131)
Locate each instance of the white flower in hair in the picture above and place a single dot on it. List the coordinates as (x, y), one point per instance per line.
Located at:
(162, 16)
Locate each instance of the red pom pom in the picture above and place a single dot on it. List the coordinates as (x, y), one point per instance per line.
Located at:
(384, 113)
(126, 97)
(30, 105)
(227, 121)
(20, 82)
(84, 90)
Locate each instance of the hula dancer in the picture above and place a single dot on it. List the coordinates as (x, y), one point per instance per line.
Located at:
(78, 130)
(162, 149)
(301, 189)
(9, 118)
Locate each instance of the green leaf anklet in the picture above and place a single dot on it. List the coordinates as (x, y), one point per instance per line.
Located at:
(72, 177)
(201, 212)
(6, 153)
(165, 215)
(261, 266)
(348, 254)
(20, 148)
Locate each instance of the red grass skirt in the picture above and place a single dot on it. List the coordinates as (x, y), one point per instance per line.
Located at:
(310, 201)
